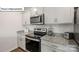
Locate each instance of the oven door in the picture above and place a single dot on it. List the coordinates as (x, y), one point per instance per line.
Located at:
(32, 46)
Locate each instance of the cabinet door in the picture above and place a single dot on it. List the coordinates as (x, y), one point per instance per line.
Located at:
(21, 40)
(65, 14)
(40, 10)
(18, 40)
(26, 18)
(22, 44)
(59, 15)
(50, 15)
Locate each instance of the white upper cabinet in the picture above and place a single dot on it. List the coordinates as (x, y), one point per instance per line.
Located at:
(59, 15)
(29, 12)
(36, 11)
(65, 15)
(53, 15)
(50, 15)
(26, 18)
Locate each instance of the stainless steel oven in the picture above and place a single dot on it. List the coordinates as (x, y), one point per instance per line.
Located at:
(33, 40)
(37, 19)
(32, 45)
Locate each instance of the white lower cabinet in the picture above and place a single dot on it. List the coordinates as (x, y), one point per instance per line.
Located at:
(22, 44)
(21, 40)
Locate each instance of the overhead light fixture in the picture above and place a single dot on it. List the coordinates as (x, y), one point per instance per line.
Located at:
(35, 9)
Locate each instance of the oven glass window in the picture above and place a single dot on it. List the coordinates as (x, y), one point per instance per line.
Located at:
(32, 46)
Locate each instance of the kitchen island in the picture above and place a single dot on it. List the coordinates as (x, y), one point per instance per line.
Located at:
(58, 44)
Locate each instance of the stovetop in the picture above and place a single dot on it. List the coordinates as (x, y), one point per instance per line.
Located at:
(37, 33)
(33, 36)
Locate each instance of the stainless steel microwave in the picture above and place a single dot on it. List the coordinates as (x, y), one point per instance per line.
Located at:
(37, 20)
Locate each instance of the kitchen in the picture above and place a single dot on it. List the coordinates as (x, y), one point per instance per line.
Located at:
(58, 22)
(47, 29)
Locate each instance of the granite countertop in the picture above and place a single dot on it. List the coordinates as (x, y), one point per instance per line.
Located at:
(60, 42)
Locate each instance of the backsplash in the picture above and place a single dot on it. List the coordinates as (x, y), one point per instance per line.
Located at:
(61, 28)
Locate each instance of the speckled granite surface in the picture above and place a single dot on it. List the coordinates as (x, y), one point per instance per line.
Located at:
(60, 42)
